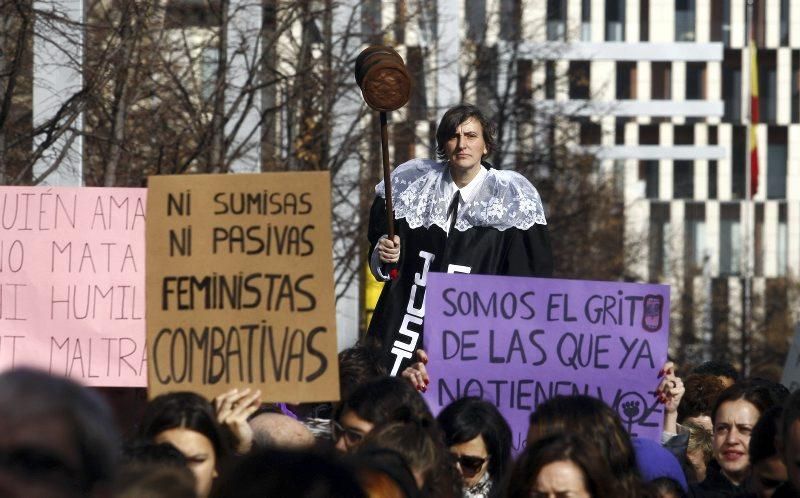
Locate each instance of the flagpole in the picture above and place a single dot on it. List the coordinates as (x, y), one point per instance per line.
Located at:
(746, 263)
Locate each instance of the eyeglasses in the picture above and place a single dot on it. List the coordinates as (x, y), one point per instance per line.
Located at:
(470, 465)
(351, 436)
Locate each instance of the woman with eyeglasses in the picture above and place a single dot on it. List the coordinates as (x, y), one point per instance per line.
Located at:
(385, 400)
(480, 440)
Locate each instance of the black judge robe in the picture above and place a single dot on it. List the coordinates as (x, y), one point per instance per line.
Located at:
(500, 231)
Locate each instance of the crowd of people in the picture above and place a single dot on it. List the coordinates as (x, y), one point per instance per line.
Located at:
(723, 436)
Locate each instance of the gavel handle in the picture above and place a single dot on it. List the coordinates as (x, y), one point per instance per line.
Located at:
(387, 184)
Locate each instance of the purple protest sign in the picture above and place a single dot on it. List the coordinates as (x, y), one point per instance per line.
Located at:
(519, 341)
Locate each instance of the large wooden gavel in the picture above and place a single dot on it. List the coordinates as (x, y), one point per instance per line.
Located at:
(386, 86)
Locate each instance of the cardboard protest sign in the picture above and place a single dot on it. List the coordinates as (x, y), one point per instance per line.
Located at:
(240, 285)
(791, 369)
(519, 341)
(72, 283)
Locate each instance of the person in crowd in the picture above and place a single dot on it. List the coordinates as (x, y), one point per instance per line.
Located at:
(279, 473)
(702, 390)
(188, 422)
(385, 400)
(384, 473)
(480, 439)
(57, 439)
(421, 444)
(600, 425)
(154, 480)
(665, 487)
(723, 370)
(789, 447)
(560, 465)
(233, 409)
(276, 430)
(698, 451)
(357, 366)
(455, 215)
(769, 471)
(654, 462)
(734, 415)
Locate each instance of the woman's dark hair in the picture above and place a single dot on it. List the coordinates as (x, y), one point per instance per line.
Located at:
(467, 418)
(389, 399)
(666, 486)
(762, 439)
(421, 444)
(286, 473)
(600, 481)
(454, 117)
(717, 368)
(381, 471)
(702, 391)
(758, 393)
(599, 424)
(188, 411)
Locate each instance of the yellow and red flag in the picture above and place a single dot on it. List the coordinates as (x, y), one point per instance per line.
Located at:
(753, 117)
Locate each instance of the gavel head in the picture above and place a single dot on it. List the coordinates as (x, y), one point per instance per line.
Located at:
(383, 78)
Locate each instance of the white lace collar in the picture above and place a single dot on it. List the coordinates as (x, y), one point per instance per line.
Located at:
(469, 190)
(504, 200)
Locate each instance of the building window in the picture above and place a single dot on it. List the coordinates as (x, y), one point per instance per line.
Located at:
(661, 78)
(619, 130)
(550, 80)
(767, 85)
(712, 179)
(475, 15)
(615, 20)
(759, 22)
(777, 157)
(758, 241)
(644, 20)
(648, 171)
(510, 19)
(417, 104)
(738, 161)
(784, 20)
(783, 240)
(720, 313)
(579, 78)
(658, 240)
(694, 246)
(590, 133)
(795, 86)
(721, 21)
(695, 81)
(730, 239)
(732, 85)
(371, 21)
(525, 79)
(486, 74)
(712, 164)
(586, 20)
(683, 179)
(400, 21)
(556, 20)
(626, 80)
(684, 20)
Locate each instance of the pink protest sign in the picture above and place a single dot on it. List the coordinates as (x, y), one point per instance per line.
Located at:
(72, 283)
(518, 341)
